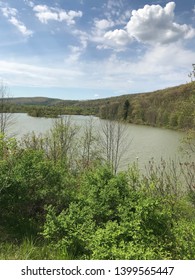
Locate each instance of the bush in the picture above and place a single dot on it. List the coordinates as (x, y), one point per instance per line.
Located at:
(29, 182)
(111, 220)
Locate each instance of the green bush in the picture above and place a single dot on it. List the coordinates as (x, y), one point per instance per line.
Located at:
(91, 213)
(29, 182)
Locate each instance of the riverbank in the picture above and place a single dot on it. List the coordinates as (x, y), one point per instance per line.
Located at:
(171, 108)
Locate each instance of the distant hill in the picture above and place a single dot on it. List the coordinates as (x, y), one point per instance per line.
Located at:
(172, 107)
(42, 101)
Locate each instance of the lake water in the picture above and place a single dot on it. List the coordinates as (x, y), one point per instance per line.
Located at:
(144, 142)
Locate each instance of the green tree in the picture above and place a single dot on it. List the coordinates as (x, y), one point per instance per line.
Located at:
(126, 109)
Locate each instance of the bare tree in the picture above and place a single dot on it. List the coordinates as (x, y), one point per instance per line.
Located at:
(61, 141)
(114, 142)
(191, 75)
(6, 117)
(89, 143)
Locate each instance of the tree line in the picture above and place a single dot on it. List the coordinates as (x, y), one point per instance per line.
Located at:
(170, 108)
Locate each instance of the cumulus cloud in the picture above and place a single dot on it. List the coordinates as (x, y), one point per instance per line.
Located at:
(45, 14)
(12, 15)
(152, 24)
(155, 24)
(108, 39)
(117, 37)
(103, 24)
(112, 17)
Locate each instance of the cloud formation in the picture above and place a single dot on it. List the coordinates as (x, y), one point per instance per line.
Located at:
(155, 24)
(152, 24)
(103, 24)
(7, 11)
(12, 15)
(20, 26)
(45, 14)
(136, 53)
(118, 37)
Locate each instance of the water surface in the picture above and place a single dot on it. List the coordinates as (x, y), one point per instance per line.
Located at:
(144, 142)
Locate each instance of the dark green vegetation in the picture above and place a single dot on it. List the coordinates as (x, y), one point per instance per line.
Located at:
(41, 106)
(61, 199)
(171, 107)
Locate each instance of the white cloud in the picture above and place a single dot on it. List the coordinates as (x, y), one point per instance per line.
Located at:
(7, 11)
(69, 16)
(23, 74)
(117, 37)
(75, 53)
(155, 24)
(20, 26)
(160, 67)
(103, 24)
(163, 60)
(45, 14)
(12, 15)
(113, 15)
(152, 24)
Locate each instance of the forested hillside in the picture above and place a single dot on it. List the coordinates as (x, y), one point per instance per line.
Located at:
(172, 107)
(44, 101)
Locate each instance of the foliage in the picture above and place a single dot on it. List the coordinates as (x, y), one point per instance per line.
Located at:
(60, 200)
(112, 220)
(170, 107)
(29, 182)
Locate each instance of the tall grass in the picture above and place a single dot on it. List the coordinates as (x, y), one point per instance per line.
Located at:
(30, 250)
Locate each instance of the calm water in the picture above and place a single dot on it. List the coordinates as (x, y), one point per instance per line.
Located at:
(144, 142)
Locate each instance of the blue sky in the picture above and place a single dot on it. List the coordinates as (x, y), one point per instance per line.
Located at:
(86, 49)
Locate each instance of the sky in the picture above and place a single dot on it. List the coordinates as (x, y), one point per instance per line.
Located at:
(90, 49)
